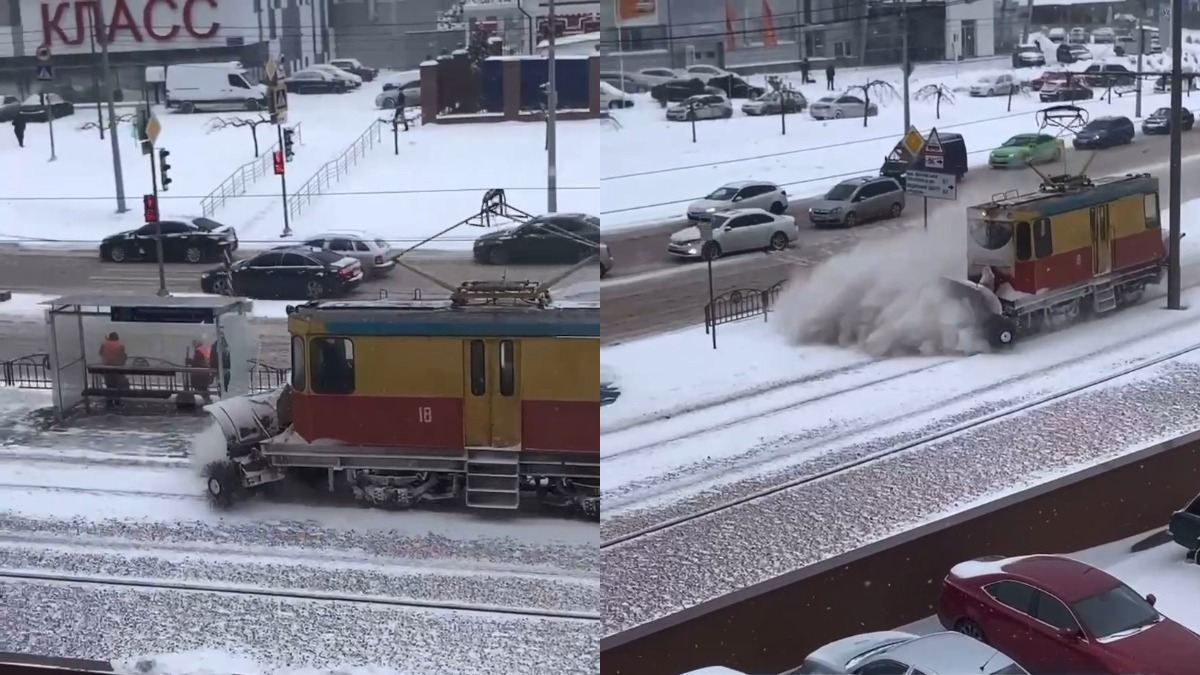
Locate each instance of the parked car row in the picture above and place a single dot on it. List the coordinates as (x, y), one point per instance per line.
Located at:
(1021, 615)
(322, 78)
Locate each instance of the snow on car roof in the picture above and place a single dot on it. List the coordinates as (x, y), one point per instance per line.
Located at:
(970, 569)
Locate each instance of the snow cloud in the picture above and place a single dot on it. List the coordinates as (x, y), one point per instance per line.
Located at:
(886, 297)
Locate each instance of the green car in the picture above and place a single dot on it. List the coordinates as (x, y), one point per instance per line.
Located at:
(1024, 149)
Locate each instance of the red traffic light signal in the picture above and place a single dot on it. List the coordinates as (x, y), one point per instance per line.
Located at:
(150, 208)
(278, 157)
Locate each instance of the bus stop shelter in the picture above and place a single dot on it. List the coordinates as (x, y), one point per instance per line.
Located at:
(158, 333)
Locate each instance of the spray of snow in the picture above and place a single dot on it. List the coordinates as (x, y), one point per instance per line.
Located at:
(208, 446)
(887, 298)
(213, 662)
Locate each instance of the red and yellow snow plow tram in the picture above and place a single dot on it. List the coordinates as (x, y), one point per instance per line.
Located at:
(484, 398)
(1075, 246)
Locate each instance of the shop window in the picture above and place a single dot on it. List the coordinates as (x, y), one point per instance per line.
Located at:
(298, 369)
(478, 368)
(1043, 244)
(332, 365)
(1024, 242)
(508, 374)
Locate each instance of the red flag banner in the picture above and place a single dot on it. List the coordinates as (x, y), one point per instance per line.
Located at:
(730, 17)
(768, 26)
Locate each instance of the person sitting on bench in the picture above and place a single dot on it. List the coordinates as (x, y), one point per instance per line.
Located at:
(112, 353)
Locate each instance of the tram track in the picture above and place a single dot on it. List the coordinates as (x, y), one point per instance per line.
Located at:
(926, 439)
(29, 576)
(103, 491)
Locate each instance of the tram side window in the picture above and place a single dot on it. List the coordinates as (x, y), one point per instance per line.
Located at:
(507, 369)
(478, 368)
(332, 365)
(1152, 213)
(298, 369)
(1043, 245)
(1024, 242)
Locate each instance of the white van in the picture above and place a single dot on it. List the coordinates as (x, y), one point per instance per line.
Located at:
(213, 86)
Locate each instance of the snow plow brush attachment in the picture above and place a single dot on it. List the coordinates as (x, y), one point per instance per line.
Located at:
(1001, 331)
(249, 420)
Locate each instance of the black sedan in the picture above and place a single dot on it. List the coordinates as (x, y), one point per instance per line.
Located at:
(192, 240)
(1069, 91)
(1160, 121)
(735, 87)
(314, 82)
(37, 109)
(674, 91)
(293, 273)
(1104, 132)
(561, 238)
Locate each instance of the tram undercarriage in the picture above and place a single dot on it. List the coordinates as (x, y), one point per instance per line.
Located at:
(263, 452)
(1003, 320)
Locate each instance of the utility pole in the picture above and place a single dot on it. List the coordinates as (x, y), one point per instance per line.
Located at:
(905, 63)
(1137, 112)
(102, 36)
(1173, 271)
(96, 77)
(552, 103)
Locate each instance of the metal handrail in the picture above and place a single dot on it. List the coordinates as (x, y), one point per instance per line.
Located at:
(333, 170)
(241, 178)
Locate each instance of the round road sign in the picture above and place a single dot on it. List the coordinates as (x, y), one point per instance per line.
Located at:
(43, 53)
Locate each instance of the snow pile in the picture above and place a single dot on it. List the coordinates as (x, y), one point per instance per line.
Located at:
(886, 297)
(208, 446)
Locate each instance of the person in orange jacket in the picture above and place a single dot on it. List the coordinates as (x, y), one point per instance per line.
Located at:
(201, 358)
(112, 353)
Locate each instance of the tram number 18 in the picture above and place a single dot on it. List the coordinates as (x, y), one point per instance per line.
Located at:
(425, 414)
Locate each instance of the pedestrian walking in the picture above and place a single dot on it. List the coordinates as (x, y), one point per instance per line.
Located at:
(804, 70)
(829, 72)
(19, 129)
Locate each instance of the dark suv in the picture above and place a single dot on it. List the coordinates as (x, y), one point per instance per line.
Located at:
(1105, 75)
(1105, 132)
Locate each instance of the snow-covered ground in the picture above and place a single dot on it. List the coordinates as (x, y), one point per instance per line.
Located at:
(702, 426)
(108, 501)
(658, 169)
(438, 178)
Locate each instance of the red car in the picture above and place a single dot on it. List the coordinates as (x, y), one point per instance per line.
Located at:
(1058, 615)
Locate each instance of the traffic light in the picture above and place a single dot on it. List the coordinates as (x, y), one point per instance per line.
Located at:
(163, 167)
(150, 208)
(277, 156)
(287, 143)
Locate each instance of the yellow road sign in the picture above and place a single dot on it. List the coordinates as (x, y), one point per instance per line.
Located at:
(153, 128)
(913, 141)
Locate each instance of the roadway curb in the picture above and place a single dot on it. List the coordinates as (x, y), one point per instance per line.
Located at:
(898, 577)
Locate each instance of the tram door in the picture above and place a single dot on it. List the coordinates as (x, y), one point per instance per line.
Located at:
(1101, 240)
(492, 401)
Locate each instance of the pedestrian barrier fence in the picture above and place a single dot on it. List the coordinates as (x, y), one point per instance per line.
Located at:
(33, 372)
(335, 169)
(742, 303)
(243, 177)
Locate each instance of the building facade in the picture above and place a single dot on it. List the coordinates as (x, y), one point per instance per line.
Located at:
(970, 29)
(143, 33)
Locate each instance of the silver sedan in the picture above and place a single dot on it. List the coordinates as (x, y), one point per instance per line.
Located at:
(838, 107)
(706, 107)
(734, 231)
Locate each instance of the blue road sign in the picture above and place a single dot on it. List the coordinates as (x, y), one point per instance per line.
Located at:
(45, 73)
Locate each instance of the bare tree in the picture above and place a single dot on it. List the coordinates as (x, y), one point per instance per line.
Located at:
(219, 123)
(127, 118)
(882, 88)
(937, 92)
(786, 94)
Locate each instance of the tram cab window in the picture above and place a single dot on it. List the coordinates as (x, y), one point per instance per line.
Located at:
(1024, 242)
(298, 369)
(1043, 243)
(990, 234)
(1152, 213)
(478, 369)
(332, 365)
(507, 368)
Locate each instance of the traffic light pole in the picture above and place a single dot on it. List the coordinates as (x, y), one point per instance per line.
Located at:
(1174, 301)
(287, 228)
(158, 245)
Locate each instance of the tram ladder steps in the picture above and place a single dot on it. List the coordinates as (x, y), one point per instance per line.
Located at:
(493, 478)
(1105, 298)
